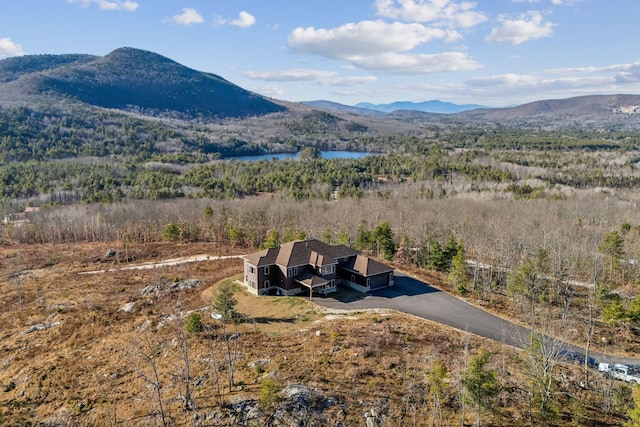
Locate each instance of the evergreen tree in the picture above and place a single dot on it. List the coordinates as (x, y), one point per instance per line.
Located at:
(458, 276)
(634, 412)
(481, 384)
(612, 245)
(171, 232)
(363, 237)
(383, 237)
(225, 303)
(273, 239)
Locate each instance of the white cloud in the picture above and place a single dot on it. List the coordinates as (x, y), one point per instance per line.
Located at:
(126, 5)
(551, 83)
(382, 47)
(296, 74)
(268, 90)
(349, 81)
(188, 16)
(394, 63)
(245, 20)
(9, 48)
(449, 13)
(516, 31)
(363, 38)
(322, 77)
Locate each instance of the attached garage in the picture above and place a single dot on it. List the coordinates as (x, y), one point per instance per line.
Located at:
(366, 274)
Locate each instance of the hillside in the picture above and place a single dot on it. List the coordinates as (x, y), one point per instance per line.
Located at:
(111, 349)
(13, 68)
(583, 109)
(133, 80)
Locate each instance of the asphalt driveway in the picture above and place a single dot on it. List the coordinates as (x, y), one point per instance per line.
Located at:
(415, 297)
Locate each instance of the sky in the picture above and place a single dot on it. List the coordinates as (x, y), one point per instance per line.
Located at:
(487, 52)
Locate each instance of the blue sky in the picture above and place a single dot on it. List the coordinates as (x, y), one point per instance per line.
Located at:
(490, 52)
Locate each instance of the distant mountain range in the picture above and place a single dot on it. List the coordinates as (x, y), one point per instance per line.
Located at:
(368, 109)
(149, 84)
(433, 106)
(128, 79)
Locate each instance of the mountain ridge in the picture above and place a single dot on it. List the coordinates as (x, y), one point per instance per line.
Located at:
(432, 106)
(132, 78)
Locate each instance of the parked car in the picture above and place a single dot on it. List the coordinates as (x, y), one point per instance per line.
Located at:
(621, 372)
(576, 357)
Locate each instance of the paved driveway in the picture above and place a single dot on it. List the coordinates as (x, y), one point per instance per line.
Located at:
(414, 297)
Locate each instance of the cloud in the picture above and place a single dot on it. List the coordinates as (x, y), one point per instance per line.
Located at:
(516, 31)
(268, 90)
(295, 74)
(363, 38)
(188, 16)
(394, 63)
(245, 20)
(9, 48)
(126, 5)
(548, 83)
(322, 77)
(382, 47)
(448, 13)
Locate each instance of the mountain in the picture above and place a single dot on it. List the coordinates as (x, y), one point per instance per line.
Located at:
(129, 79)
(590, 107)
(13, 68)
(586, 110)
(433, 106)
(334, 106)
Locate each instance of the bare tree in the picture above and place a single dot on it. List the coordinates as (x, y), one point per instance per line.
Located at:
(145, 354)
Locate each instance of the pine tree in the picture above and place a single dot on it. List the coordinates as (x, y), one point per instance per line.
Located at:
(225, 304)
(458, 276)
(481, 384)
(383, 237)
(634, 413)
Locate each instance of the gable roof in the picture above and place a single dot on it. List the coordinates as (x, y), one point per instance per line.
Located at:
(315, 252)
(367, 266)
(262, 258)
(311, 280)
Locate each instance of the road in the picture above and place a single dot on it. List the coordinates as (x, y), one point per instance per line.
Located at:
(165, 263)
(412, 296)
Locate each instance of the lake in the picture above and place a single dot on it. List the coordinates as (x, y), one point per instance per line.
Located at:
(325, 155)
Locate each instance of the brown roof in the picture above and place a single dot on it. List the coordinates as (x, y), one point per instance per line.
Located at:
(367, 266)
(311, 280)
(301, 252)
(332, 251)
(293, 253)
(262, 258)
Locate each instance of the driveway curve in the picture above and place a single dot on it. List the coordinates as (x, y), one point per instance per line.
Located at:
(418, 298)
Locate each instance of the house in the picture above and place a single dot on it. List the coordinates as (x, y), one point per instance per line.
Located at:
(312, 264)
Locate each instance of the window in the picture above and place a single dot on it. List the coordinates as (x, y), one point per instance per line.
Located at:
(353, 278)
(266, 270)
(369, 281)
(329, 269)
(292, 271)
(252, 269)
(332, 283)
(266, 284)
(252, 284)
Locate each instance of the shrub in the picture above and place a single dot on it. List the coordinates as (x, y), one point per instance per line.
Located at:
(194, 323)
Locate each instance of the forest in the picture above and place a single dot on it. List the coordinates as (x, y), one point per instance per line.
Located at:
(539, 226)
